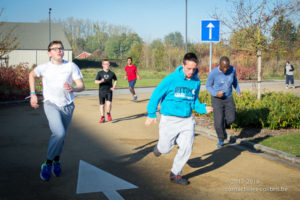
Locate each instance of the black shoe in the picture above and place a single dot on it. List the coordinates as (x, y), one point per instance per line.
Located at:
(225, 135)
(232, 139)
(156, 152)
(178, 179)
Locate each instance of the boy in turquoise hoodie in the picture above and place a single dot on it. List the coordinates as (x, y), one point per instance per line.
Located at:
(178, 96)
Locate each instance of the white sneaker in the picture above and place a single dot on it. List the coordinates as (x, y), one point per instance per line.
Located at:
(135, 98)
(286, 87)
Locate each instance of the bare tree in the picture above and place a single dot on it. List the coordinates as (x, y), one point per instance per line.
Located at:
(8, 41)
(256, 18)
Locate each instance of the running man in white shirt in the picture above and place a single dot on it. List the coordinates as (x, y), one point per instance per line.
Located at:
(58, 76)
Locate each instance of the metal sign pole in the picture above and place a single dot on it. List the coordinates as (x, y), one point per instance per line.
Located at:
(185, 26)
(50, 25)
(210, 32)
(210, 56)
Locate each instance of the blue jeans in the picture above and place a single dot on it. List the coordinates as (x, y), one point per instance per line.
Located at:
(132, 83)
(59, 119)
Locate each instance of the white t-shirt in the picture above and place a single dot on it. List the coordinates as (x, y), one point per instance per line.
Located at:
(54, 77)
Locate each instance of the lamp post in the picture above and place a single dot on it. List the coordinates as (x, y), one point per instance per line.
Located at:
(50, 25)
(185, 26)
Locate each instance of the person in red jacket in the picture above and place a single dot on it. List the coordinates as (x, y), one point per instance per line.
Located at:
(131, 76)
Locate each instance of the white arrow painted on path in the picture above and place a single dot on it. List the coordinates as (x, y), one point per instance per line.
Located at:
(210, 26)
(93, 179)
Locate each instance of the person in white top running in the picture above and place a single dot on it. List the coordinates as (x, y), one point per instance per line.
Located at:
(289, 73)
(58, 76)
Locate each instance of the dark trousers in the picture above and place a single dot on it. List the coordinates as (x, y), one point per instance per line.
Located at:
(289, 79)
(224, 114)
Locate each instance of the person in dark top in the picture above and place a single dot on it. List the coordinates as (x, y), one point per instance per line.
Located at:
(219, 84)
(105, 79)
(289, 73)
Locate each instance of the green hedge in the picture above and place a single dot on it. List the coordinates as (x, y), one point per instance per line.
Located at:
(274, 111)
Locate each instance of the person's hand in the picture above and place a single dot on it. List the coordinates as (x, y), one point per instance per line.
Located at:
(149, 121)
(240, 95)
(220, 94)
(138, 77)
(125, 78)
(68, 87)
(112, 89)
(34, 101)
(209, 109)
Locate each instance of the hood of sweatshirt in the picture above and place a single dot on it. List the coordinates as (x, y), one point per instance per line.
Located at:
(179, 72)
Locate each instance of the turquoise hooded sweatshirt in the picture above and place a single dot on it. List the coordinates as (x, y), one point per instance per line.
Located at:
(178, 96)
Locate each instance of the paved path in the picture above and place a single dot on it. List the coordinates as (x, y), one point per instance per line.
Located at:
(123, 148)
(277, 85)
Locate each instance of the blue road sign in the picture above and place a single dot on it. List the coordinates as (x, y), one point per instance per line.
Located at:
(210, 31)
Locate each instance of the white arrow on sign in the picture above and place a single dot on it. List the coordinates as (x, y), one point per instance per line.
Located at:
(210, 26)
(93, 179)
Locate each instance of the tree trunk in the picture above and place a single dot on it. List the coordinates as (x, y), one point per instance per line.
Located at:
(258, 74)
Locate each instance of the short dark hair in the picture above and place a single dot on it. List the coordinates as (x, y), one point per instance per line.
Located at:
(288, 61)
(225, 59)
(129, 58)
(55, 42)
(191, 57)
(105, 60)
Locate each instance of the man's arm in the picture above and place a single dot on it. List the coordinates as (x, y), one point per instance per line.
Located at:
(138, 76)
(210, 84)
(236, 85)
(79, 85)
(292, 68)
(199, 107)
(78, 88)
(126, 76)
(159, 92)
(99, 81)
(33, 97)
(114, 85)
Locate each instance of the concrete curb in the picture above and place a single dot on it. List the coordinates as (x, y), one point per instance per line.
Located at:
(257, 147)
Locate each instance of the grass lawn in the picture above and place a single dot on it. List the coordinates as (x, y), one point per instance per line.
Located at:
(148, 77)
(286, 143)
(90, 83)
(278, 77)
(274, 77)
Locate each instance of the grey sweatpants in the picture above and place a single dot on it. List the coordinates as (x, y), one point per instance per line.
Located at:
(59, 119)
(180, 130)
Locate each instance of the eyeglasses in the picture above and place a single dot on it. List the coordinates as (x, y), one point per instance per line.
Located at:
(57, 49)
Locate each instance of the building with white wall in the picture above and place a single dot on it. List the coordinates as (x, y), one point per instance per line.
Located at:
(33, 41)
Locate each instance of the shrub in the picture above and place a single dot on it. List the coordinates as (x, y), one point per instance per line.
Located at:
(14, 82)
(274, 111)
(242, 72)
(284, 110)
(245, 73)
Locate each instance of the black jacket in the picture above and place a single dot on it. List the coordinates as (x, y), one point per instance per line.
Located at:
(292, 69)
